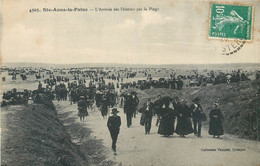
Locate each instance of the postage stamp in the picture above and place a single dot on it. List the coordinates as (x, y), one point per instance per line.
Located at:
(229, 21)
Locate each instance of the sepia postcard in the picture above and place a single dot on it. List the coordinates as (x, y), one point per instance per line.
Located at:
(130, 82)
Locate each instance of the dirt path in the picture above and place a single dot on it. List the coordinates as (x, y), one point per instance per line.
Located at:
(136, 148)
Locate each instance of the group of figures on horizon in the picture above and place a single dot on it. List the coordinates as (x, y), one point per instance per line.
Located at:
(171, 83)
(194, 80)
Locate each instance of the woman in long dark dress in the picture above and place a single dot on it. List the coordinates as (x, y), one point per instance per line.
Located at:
(166, 127)
(184, 126)
(104, 109)
(215, 124)
(82, 107)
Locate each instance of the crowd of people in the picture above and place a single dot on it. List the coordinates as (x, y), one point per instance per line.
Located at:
(194, 80)
(169, 110)
(170, 83)
(172, 114)
(13, 97)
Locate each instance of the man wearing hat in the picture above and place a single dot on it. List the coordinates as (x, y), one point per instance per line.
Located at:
(129, 109)
(113, 124)
(148, 116)
(158, 111)
(196, 110)
(135, 102)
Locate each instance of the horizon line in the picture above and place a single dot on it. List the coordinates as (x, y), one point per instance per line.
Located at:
(103, 63)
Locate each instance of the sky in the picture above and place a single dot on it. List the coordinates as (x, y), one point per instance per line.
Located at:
(175, 34)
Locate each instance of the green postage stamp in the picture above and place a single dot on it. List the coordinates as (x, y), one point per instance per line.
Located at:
(231, 21)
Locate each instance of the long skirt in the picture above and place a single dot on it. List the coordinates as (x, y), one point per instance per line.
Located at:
(104, 112)
(82, 112)
(215, 127)
(166, 127)
(184, 126)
